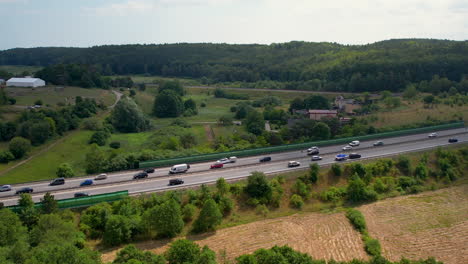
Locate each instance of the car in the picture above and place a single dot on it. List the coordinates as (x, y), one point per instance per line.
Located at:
(341, 157)
(24, 190)
(354, 143)
(58, 181)
(149, 170)
(265, 159)
(81, 194)
(313, 151)
(347, 148)
(354, 156)
(378, 143)
(101, 176)
(216, 166)
(140, 175)
(294, 164)
(86, 182)
(227, 160)
(5, 188)
(432, 135)
(315, 158)
(453, 140)
(175, 181)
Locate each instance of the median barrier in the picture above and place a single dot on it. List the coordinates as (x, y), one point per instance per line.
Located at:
(82, 201)
(297, 146)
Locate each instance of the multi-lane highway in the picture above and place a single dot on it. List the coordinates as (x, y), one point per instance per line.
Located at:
(200, 173)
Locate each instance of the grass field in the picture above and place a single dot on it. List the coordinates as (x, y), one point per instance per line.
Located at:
(53, 95)
(414, 112)
(427, 224)
(19, 69)
(71, 149)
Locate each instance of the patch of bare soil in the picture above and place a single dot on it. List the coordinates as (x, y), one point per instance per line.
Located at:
(418, 226)
(322, 236)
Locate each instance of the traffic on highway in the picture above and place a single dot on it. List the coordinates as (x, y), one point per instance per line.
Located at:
(151, 179)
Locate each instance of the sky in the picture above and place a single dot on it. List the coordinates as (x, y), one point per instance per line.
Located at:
(85, 23)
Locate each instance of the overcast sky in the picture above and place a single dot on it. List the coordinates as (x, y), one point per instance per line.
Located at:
(84, 23)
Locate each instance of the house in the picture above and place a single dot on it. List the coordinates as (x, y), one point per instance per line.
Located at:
(319, 114)
(25, 82)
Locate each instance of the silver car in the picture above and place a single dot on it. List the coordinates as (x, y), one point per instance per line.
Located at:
(101, 176)
(5, 188)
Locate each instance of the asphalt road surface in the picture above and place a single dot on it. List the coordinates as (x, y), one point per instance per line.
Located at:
(200, 173)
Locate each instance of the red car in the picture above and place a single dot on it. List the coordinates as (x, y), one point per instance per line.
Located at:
(216, 166)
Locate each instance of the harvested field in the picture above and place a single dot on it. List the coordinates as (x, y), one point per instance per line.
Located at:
(323, 236)
(417, 226)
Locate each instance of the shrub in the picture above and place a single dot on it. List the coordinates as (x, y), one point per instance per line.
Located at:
(296, 201)
(372, 246)
(6, 156)
(188, 212)
(114, 144)
(261, 209)
(203, 104)
(19, 147)
(93, 124)
(65, 171)
(99, 137)
(226, 205)
(336, 170)
(301, 189)
(357, 219)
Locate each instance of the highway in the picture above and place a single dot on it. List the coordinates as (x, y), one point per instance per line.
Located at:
(200, 173)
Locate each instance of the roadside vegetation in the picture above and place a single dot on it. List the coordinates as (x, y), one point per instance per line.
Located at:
(175, 214)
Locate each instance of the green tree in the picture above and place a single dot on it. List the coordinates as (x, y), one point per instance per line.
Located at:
(65, 171)
(28, 214)
(51, 229)
(127, 117)
(174, 86)
(314, 172)
(188, 212)
(49, 204)
(188, 140)
(131, 253)
(316, 102)
(183, 251)
(258, 187)
(254, 122)
(336, 170)
(222, 186)
(410, 91)
(321, 131)
(207, 256)
(99, 138)
(225, 120)
(301, 189)
(167, 219)
(11, 229)
(190, 104)
(421, 171)
(19, 147)
(356, 189)
(404, 165)
(94, 160)
(168, 104)
(93, 219)
(210, 216)
(117, 230)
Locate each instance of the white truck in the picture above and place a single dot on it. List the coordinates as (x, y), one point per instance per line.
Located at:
(179, 168)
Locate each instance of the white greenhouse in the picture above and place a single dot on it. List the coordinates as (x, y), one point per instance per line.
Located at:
(25, 82)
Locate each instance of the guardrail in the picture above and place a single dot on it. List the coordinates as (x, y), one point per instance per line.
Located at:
(82, 201)
(288, 147)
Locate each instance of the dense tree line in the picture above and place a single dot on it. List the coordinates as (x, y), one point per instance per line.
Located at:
(387, 65)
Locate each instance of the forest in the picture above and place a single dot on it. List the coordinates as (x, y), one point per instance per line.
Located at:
(386, 65)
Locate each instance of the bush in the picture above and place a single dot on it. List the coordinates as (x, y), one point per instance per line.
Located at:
(203, 104)
(19, 147)
(99, 137)
(372, 246)
(261, 209)
(65, 171)
(301, 189)
(114, 145)
(296, 201)
(188, 212)
(38, 102)
(6, 156)
(93, 124)
(336, 170)
(357, 219)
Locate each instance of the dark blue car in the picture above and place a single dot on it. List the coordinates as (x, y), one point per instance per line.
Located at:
(86, 182)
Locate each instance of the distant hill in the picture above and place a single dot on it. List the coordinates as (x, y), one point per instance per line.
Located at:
(385, 65)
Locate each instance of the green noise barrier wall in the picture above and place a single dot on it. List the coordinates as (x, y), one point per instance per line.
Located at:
(83, 201)
(289, 147)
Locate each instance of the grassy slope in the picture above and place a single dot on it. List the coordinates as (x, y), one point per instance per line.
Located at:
(16, 69)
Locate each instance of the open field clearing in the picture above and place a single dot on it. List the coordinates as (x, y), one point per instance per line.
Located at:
(53, 95)
(19, 69)
(323, 236)
(418, 226)
(415, 112)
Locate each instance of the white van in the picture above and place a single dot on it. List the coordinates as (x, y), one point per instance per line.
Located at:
(354, 143)
(179, 168)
